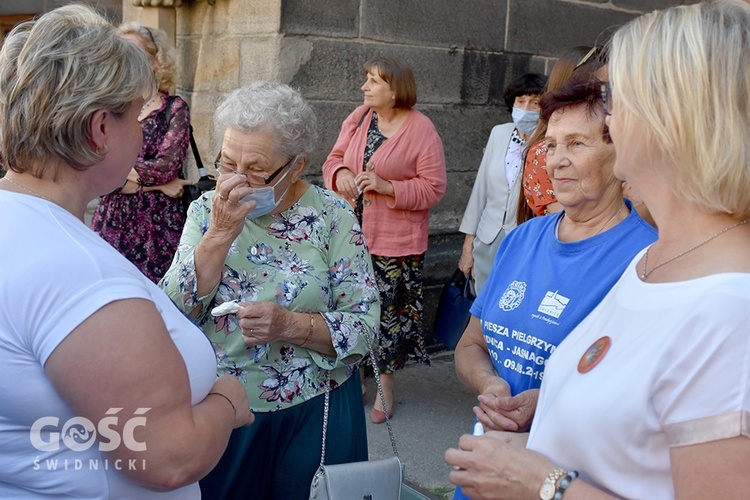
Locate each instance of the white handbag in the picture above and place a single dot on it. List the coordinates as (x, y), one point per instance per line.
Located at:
(371, 480)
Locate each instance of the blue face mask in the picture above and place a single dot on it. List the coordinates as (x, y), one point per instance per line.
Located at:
(265, 198)
(525, 120)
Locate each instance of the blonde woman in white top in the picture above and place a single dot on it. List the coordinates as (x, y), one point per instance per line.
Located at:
(648, 396)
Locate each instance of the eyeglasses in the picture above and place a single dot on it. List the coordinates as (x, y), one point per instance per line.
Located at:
(252, 178)
(606, 94)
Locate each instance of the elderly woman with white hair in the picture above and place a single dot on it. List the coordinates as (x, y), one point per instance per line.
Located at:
(294, 258)
(648, 396)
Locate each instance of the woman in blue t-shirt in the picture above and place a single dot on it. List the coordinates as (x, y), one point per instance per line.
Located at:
(550, 272)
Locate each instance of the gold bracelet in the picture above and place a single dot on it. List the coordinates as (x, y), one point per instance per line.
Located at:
(312, 327)
(228, 400)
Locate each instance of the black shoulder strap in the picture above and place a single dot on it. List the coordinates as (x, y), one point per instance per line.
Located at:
(196, 154)
(168, 109)
(362, 119)
(193, 145)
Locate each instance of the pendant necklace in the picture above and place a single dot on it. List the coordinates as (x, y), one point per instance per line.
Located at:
(28, 190)
(647, 272)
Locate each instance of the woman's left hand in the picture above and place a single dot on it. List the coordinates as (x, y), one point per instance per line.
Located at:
(174, 188)
(264, 322)
(369, 181)
(497, 466)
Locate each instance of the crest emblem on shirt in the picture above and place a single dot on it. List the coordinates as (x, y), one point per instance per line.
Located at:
(513, 296)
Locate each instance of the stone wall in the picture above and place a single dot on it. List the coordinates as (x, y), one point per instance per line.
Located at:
(463, 54)
(110, 8)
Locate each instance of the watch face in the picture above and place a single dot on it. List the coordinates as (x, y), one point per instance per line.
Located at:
(547, 491)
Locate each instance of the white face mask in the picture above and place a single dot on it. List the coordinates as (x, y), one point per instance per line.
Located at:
(525, 120)
(265, 198)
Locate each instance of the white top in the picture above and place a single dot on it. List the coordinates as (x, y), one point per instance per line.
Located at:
(56, 273)
(677, 373)
(514, 158)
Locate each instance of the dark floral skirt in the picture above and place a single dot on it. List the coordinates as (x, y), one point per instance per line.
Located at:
(401, 335)
(145, 227)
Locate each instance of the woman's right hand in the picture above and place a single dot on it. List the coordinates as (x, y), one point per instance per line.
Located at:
(466, 262)
(496, 466)
(129, 187)
(228, 214)
(227, 221)
(345, 184)
(230, 387)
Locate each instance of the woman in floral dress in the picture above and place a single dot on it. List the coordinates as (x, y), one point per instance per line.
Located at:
(143, 219)
(293, 255)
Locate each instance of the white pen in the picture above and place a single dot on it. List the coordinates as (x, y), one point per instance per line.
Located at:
(478, 429)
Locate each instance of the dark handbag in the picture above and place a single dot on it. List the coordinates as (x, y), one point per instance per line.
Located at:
(453, 313)
(205, 183)
(372, 480)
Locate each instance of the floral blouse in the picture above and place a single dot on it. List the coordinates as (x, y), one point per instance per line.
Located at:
(537, 188)
(310, 258)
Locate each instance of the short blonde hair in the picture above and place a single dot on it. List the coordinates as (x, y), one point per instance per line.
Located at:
(158, 46)
(57, 71)
(684, 75)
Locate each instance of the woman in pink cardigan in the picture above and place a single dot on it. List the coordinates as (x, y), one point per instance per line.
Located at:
(388, 162)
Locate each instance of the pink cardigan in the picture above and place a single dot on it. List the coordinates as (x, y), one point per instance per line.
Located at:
(413, 160)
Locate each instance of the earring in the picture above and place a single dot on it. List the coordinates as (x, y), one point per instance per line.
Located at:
(105, 152)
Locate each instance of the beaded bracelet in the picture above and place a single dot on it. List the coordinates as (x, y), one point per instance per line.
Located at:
(228, 400)
(564, 483)
(312, 328)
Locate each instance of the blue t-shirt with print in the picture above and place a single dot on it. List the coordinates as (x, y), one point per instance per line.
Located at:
(540, 288)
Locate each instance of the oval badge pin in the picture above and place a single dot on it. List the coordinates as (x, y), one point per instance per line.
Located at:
(594, 354)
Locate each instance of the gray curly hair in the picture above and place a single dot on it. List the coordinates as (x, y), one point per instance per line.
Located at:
(274, 106)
